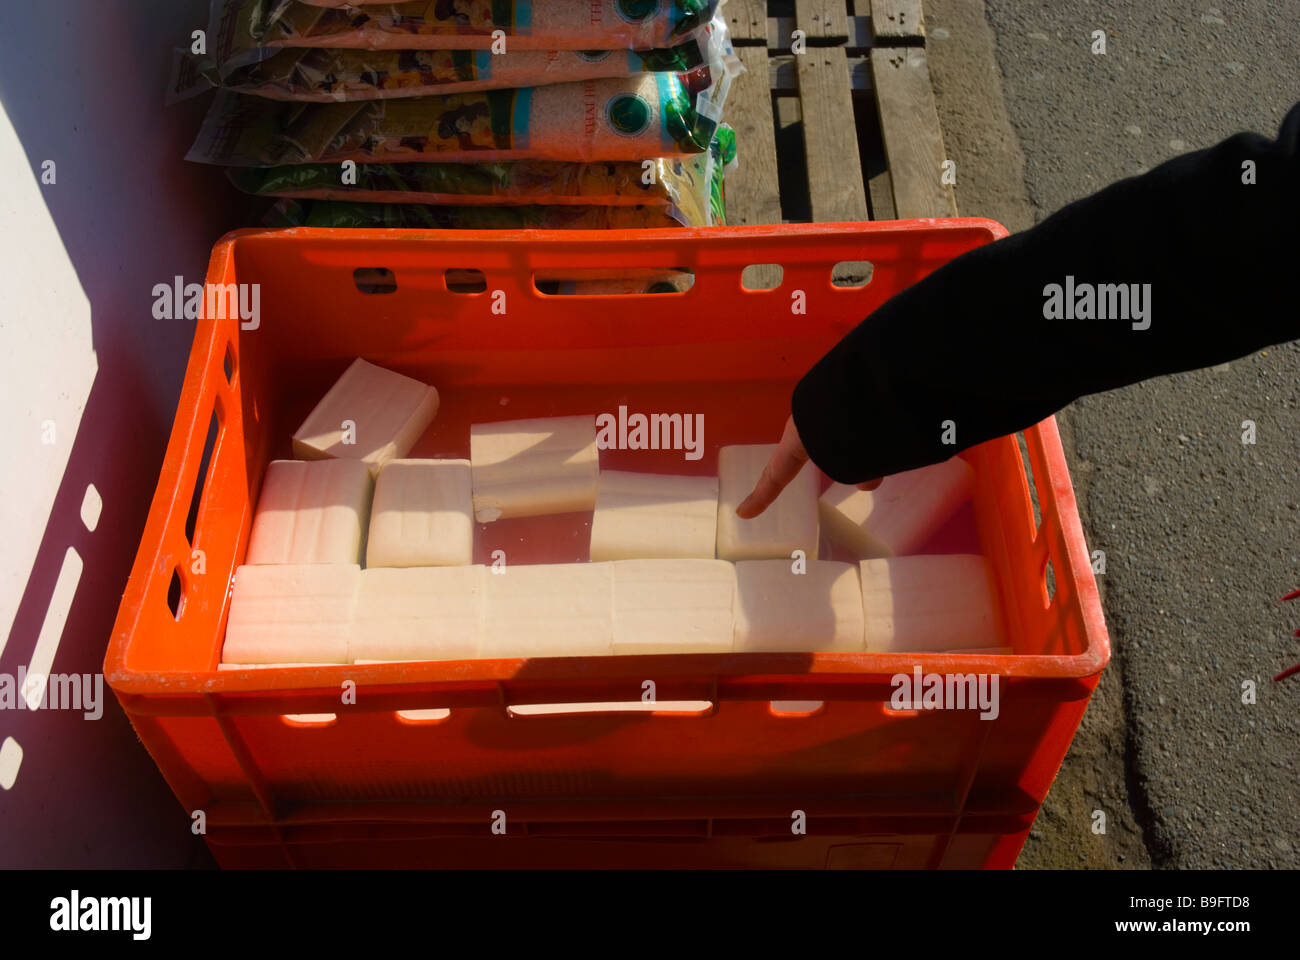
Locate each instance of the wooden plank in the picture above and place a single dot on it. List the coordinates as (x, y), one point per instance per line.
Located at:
(781, 76)
(909, 125)
(793, 178)
(746, 21)
(880, 193)
(779, 30)
(781, 70)
(830, 136)
(787, 108)
(822, 19)
(882, 197)
(897, 19)
(860, 74)
(752, 189)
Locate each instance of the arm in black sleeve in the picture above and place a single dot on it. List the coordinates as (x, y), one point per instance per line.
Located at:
(972, 343)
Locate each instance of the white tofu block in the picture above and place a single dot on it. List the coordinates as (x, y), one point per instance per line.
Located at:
(780, 611)
(899, 515)
(549, 610)
(422, 515)
(526, 468)
(311, 511)
(370, 414)
(652, 515)
(270, 666)
(291, 613)
(674, 606)
(789, 524)
(928, 604)
(419, 613)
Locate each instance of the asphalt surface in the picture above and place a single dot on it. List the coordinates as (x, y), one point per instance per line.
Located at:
(1201, 530)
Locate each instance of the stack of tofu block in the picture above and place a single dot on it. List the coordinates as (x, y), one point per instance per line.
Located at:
(358, 554)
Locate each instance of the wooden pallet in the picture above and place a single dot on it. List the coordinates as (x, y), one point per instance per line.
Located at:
(845, 130)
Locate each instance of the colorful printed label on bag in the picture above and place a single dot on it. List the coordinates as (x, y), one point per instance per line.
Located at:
(496, 120)
(628, 114)
(637, 11)
(475, 16)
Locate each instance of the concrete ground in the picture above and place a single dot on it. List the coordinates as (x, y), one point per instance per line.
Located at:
(1201, 530)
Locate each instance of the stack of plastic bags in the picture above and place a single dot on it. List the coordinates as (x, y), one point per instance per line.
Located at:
(583, 114)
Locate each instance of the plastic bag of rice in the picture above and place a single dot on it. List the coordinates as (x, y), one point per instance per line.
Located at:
(692, 187)
(327, 74)
(621, 183)
(696, 186)
(332, 213)
(247, 31)
(654, 115)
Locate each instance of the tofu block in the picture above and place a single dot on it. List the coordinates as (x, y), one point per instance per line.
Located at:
(674, 606)
(928, 604)
(311, 511)
(898, 516)
(789, 524)
(419, 613)
(291, 613)
(780, 611)
(549, 610)
(268, 666)
(386, 410)
(422, 515)
(526, 468)
(652, 516)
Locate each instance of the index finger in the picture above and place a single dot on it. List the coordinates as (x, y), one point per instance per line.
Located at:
(786, 461)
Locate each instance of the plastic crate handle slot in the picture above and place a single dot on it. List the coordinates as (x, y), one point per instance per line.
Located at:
(423, 717)
(184, 543)
(674, 708)
(1062, 564)
(374, 280)
(796, 708)
(634, 281)
(761, 277)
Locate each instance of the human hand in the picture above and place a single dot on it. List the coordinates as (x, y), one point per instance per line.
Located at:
(787, 460)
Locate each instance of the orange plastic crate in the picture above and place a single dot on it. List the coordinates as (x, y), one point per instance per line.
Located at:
(715, 787)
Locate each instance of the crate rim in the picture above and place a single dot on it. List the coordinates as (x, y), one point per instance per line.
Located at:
(660, 236)
(820, 669)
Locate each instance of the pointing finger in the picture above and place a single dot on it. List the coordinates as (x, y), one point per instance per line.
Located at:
(787, 460)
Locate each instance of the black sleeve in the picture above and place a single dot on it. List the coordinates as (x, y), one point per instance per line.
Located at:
(973, 343)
